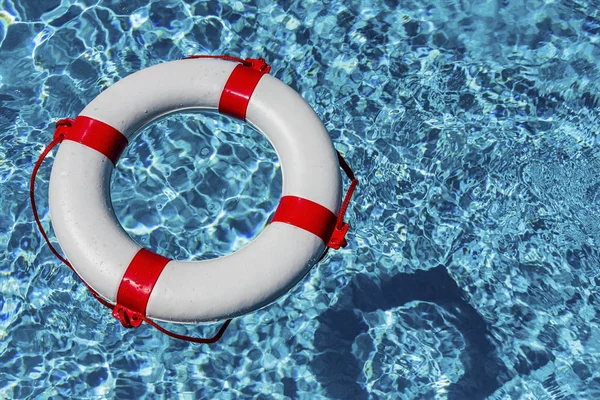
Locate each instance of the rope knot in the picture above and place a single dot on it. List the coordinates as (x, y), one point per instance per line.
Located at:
(258, 64)
(63, 126)
(127, 317)
(338, 237)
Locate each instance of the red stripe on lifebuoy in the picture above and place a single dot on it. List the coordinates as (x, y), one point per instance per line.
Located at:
(238, 90)
(139, 280)
(98, 136)
(307, 215)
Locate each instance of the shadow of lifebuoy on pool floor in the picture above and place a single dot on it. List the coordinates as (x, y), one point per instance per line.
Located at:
(338, 369)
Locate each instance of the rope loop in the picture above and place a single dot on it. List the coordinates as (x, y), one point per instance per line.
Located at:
(128, 318)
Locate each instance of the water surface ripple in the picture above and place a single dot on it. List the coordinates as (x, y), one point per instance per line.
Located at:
(472, 269)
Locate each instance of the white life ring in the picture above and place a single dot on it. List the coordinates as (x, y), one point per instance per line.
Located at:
(139, 281)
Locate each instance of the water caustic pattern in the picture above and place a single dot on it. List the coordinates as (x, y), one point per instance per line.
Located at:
(191, 208)
(472, 269)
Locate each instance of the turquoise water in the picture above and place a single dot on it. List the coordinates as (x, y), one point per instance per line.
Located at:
(472, 270)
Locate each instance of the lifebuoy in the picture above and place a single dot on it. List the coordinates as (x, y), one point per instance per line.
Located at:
(139, 282)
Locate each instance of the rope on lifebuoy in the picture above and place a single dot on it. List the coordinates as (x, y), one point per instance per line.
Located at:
(130, 318)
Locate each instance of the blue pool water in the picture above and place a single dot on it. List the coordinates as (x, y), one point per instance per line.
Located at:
(473, 265)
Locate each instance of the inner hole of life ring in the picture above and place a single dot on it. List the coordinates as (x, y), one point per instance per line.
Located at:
(196, 186)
